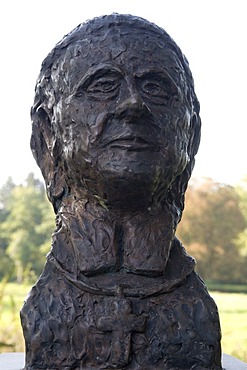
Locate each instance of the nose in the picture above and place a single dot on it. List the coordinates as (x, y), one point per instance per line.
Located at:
(132, 105)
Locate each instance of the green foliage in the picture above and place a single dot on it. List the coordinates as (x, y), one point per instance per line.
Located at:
(5, 193)
(212, 223)
(6, 263)
(241, 240)
(26, 227)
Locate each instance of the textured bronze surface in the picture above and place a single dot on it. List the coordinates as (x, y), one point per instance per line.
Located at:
(115, 131)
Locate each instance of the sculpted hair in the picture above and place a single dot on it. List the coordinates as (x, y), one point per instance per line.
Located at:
(45, 143)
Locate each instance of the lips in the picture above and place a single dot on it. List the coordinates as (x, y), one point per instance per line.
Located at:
(131, 135)
(131, 144)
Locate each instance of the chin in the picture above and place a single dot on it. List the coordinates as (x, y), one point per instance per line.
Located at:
(129, 187)
(128, 164)
(129, 176)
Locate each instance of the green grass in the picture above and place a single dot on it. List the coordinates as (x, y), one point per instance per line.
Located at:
(228, 288)
(232, 309)
(11, 300)
(233, 317)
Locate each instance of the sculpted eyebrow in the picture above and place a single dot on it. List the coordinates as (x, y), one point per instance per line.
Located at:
(161, 75)
(99, 71)
(153, 72)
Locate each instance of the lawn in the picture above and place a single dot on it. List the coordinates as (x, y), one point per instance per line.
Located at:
(11, 299)
(233, 316)
(232, 309)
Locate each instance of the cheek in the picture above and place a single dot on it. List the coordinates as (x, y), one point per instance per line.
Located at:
(93, 118)
(74, 128)
(82, 125)
(181, 142)
(176, 134)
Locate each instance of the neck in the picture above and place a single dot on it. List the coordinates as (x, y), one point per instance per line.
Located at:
(123, 196)
(104, 240)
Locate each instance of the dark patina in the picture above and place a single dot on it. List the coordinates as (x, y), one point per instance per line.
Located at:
(116, 128)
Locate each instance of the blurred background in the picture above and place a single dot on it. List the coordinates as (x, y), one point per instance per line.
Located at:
(212, 35)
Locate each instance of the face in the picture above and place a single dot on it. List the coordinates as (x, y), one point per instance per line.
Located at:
(123, 116)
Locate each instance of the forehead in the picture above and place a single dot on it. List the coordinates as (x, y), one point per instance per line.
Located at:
(133, 50)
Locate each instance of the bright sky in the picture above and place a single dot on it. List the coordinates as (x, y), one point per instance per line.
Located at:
(212, 34)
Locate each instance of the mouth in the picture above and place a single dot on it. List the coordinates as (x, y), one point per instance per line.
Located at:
(132, 144)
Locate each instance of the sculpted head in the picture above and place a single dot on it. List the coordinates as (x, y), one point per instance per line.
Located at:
(116, 117)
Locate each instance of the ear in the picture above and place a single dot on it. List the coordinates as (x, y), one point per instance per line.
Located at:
(180, 184)
(41, 140)
(195, 135)
(44, 145)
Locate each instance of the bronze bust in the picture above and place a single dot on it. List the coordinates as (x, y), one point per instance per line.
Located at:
(116, 128)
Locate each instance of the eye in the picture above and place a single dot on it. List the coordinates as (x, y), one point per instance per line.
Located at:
(100, 87)
(103, 85)
(158, 89)
(153, 88)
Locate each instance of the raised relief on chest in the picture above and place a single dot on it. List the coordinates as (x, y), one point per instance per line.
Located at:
(121, 323)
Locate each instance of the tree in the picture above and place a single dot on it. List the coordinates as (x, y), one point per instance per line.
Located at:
(23, 227)
(6, 264)
(210, 226)
(242, 238)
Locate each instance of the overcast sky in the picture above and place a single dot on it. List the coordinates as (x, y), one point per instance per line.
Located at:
(211, 33)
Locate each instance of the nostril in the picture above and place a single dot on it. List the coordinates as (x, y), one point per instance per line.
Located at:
(134, 105)
(135, 100)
